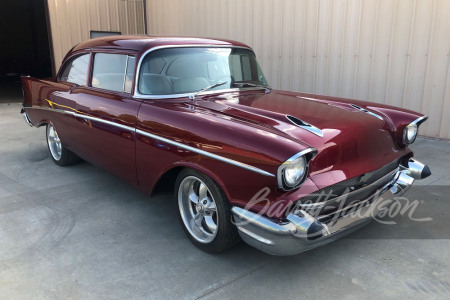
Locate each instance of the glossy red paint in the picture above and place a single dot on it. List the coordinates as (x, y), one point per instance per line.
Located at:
(247, 126)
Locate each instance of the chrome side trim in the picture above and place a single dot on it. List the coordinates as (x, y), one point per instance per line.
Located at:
(124, 127)
(138, 95)
(366, 111)
(204, 153)
(311, 128)
(162, 139)
(87, 117)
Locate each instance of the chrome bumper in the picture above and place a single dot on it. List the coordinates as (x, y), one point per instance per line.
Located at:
(302, 231)
(25, 116)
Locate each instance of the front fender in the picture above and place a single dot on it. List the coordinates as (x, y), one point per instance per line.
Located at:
(397, 118)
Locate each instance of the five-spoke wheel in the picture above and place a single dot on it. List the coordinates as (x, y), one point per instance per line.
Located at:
(198, 209)
(60, 155)
(204, 212)
(54, 143)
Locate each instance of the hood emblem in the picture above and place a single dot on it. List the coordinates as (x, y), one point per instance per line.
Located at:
(300, 123)
(366, 111)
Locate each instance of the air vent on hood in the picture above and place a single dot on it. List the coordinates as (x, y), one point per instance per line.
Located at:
(304, 125)
(366, 111)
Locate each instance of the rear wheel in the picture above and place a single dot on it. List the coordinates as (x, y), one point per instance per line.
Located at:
(60, 155)
(204, 212)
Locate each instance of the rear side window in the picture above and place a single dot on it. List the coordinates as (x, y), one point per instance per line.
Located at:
(113, 72)
(76, 70)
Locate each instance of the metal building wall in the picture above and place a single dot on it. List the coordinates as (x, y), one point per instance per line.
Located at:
(388, 51)
(72, 20)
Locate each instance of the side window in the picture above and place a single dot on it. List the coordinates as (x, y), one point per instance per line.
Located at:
(76, 70)
(113, 72)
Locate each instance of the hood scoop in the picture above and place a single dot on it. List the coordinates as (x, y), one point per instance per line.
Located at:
(366, 111)
(300, 123)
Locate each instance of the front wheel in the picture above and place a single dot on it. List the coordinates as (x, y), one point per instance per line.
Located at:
(204, 212)
(60, 155)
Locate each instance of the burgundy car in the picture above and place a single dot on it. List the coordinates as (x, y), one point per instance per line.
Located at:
(284, 171)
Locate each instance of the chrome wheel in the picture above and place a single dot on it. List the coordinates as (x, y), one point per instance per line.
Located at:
(54, 143)
(198, 209)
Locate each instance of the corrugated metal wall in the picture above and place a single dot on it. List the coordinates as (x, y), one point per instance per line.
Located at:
(394, 52)
(71, 21)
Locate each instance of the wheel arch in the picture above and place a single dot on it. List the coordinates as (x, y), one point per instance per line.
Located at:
(166, 179)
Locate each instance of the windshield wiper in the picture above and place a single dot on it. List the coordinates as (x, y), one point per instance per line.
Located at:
(244, 84)
(192, 97)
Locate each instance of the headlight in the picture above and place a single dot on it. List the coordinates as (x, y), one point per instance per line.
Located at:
(410, 130)
(410, 133)
(293, 171)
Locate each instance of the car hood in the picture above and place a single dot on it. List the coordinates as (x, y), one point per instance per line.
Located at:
(353, 141)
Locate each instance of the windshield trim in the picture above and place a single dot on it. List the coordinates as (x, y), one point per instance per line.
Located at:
(138, 95)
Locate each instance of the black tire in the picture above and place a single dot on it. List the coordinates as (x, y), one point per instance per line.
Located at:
(226, 234)
(60, 155)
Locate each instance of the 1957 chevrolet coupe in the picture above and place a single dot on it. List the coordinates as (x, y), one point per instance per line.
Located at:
(284, 171)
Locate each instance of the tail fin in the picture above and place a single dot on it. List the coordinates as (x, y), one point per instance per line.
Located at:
(26, 91)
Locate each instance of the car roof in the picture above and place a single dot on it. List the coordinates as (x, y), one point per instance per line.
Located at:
(142, 43)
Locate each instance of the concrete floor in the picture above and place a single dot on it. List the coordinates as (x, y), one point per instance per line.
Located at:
(80, 233)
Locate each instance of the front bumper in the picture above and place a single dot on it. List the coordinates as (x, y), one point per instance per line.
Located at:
(302, 231)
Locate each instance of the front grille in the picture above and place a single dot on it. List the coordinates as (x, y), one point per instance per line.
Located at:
(324, 203)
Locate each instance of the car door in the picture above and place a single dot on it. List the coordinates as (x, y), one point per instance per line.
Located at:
(106, 115)
(60, 99)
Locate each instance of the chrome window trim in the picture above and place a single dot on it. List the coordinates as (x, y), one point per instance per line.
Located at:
(162, 139)
(74, 56)
(125, 73)
(138, 95)
(123, 91)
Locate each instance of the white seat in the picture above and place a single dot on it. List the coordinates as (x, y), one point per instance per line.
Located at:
(188, 85)
(154, 84)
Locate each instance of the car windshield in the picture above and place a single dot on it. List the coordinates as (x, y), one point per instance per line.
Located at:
(174, 71)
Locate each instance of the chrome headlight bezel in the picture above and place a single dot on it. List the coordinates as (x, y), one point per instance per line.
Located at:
(304, 156)
(409, 134)
(413, 127)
